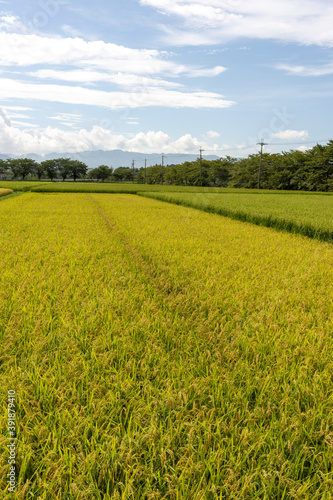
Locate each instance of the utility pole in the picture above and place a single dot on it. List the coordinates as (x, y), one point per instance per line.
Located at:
(262, 144)
(163, 156)
(145, 170)
(201, 150)
(133, 162)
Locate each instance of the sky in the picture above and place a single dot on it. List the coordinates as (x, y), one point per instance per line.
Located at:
(165, 76)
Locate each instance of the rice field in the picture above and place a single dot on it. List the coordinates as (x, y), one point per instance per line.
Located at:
(93, 187)
(132, 188)
(20, 185)
(114, 187)
(309, 214)
(5, 192)
(161, 352)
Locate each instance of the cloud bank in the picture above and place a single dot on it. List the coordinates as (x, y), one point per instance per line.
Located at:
(291, 135)
(96, 73)
(52, 139)
(215, 21)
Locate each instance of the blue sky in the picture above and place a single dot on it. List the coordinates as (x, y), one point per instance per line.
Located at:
(169, 76)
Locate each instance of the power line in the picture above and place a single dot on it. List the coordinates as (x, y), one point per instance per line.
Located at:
(294, 143)
(269, 144)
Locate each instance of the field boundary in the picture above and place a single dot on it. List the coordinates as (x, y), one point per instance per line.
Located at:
(11, 195)
(266, 221)
(5, 192)
(118, 188)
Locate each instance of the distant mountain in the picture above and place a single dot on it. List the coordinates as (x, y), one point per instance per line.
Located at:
(115, 158)
(5, 157)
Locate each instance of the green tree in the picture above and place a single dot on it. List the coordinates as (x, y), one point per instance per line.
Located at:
(187, 173)
(21, 167)
(51, 168)
(122, 174)
(154, 174)
(101, 173)
(3, 167)
(171, 174)
(244, 173)
(289, 169)
(39, 170)
(140, 176)
(219, 171)
(319, 162)
(64, 167)
(77, 169)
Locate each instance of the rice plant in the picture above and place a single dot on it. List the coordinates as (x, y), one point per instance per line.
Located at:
(309, 214)
(129, 188)
(161, 352)
(5, 192)
(20, 185)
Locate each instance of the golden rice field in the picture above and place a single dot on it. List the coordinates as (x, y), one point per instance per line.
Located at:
(5, 192)
(161, 352)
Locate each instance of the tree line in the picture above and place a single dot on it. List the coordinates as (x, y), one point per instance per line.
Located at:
(310, 170)
(64, 168)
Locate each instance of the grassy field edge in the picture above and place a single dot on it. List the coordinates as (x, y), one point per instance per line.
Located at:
(13, 194)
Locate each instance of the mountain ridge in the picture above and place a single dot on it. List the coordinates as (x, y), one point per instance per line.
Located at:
(114, 158)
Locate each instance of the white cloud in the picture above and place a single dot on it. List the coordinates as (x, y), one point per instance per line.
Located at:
(10, 89)
(17, 115)
(88, 76)
(326, 69)
(24, 124)
(75, 71)
(5, 118)
(290, 135)
(149, 142)
(51, 139)
(70, 30)
(23, 50)
(212, 134)
(66, 117)
(214, 21)
(17, 108)
(207, 72)
(13, 24)
(71, 120)
(16, 141)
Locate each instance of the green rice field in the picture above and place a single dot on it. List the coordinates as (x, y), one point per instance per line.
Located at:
(162, 352)
(20, 185)
(310, 214)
